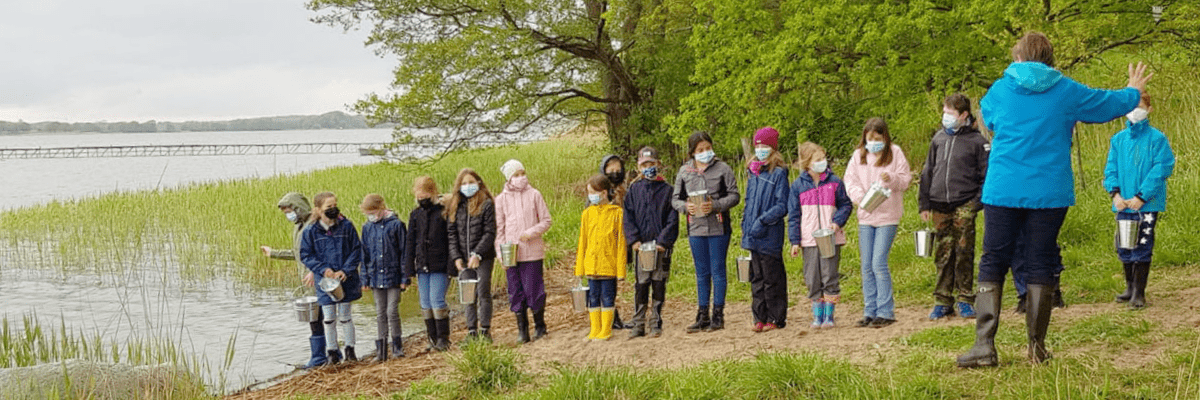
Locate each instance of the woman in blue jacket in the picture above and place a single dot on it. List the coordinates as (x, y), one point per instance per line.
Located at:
(383, 247)
(1139, 162)
(1032, 111)
(331, 250)
(763, 229)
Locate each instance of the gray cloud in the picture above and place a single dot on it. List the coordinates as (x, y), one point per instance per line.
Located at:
(116, 60)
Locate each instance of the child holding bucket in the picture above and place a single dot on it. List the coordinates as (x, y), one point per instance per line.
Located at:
(763, 229)
(949, 196)
(877, 161)
(601, 254)
(522, 218)
(383, 241)
(472, 218)
(818, 201)
(427, 256)
(331, 250)
(650, 218)
(1139, 162)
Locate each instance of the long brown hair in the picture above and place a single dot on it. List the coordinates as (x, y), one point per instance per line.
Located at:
(319, 204)
(877, 125)
(600, 182)
(1034, 46)
(475, 203)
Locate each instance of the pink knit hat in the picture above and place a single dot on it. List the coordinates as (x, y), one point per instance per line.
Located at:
(768, 136)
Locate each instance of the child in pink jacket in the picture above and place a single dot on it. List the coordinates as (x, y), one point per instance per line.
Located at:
(522, 218)
(877, 161)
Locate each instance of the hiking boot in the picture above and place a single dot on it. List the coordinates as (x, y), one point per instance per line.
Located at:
(718, 319)
(965, 310)
(864, 322)
(701, 321)
(940, 311)
(987, 319)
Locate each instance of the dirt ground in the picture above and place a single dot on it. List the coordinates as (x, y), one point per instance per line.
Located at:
(565, 342)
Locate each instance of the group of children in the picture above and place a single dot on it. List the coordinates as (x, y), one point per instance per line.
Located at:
(462, 234)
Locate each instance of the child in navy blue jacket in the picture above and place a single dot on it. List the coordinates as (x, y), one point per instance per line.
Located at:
(650, 218)
(383, 248)
(331, 250)
(763, 230)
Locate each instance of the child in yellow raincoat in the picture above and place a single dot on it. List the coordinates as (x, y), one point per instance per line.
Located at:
(601, 255)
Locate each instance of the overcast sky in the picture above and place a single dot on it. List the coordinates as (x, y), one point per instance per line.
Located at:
(172, 60)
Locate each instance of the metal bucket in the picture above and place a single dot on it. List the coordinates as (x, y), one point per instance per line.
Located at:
(698, 197)
(923, 241)
(508, 255)
(824, 238)
(1127, 233)
(743, 269)
(647, 256)
(333, 287)
(874, 197)
(579, 296)
(306, 308)
(466, 291)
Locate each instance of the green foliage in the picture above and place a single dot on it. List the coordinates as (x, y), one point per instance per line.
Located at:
(483, 369)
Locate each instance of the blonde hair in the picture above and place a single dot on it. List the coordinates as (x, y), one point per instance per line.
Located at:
(373, 202)
(774, 160)
(806, 152)
(319, 203)
(475, 204)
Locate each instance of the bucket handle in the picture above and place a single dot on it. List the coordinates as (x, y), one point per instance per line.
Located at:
(298, 289)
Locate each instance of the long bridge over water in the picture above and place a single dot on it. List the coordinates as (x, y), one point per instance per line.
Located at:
(183, 150)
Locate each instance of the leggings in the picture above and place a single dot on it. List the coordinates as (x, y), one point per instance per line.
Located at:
(338, 313)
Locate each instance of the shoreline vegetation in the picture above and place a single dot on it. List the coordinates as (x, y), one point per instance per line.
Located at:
(329, 120)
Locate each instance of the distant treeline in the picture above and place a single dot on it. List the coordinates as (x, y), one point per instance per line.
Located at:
(330, 120)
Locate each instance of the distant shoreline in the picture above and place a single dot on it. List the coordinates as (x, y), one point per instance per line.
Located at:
(330, 120)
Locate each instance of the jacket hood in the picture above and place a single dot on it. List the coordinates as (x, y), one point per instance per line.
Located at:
(297, 202)
(1033, 76)
(604, 162)
(1139, 128)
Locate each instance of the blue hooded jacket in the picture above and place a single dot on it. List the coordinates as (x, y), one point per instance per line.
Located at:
(1032, 112)
(335, 249)
(1139, 162)
(763, 226)
(383, 250)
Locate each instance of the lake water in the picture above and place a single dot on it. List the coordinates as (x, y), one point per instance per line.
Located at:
(152, 300)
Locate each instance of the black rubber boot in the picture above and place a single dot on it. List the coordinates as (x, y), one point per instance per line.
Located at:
(381, 350)
(1037, 321)
(431, 333)
(1141, 273)
(701, 321)
(1128, 294)
(443, 339)
(987, 319)
(718, 319)
(397, 347)
(334, 357)
(522, 326)
(539, 324)
(350, 356)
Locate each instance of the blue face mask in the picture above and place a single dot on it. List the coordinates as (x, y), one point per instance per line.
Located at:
(705, 157)
(762, 154)
(650, 172)
(594, 199)
(469, 189)
(874, 146)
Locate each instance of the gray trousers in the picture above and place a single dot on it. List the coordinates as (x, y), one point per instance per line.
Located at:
(387, 311)
(821, 274)
(480, 312)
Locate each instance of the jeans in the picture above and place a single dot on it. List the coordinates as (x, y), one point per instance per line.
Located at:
(709, 253)
(387, 310)
(874, 245)
(602, 293)
(1036, 232)
(432, 288)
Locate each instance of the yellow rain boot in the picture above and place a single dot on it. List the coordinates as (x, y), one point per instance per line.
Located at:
(594, 317)
(606, 321)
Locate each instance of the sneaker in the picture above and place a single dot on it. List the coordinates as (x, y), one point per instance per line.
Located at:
(863, 323)
(767, 327)
(940, 311)
(965, 310)
(881, 322)
(758, 327)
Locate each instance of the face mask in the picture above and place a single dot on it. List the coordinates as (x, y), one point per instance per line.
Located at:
(425, 203)
(762, 154)
(874, 147)
(1138, 115)
(332, 212)
(705, 157)
(594, 198)
(469, 189)
(650, 172)
(291, 216)
(949, 121)
(372, 217)
(520, 182)
(615, 177)
(818, 166)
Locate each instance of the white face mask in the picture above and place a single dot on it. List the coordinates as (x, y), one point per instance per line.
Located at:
(594, 198)
(874, 146)
(1138, 115)
(818, 166)
(291, 216)
(949, 121)
(372, 217)
(705, 157)
(469, 189)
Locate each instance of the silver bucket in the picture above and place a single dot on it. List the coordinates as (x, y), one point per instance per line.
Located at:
(874, 197)
(466, 291)
(743, 269)
(923, 242)
(579, 296)
(306, 308)
(647, 256)
(1127, 233)
(824, 238)
(697, 198)
(333, 287)
(508, 255)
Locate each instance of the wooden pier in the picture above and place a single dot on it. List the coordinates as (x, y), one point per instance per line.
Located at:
(187, 150)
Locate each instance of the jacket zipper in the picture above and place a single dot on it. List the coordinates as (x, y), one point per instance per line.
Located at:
(948, 153)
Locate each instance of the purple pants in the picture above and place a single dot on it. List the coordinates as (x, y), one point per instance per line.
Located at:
(526, 288)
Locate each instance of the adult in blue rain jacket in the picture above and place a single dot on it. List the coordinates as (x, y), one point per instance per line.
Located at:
(1032, 111)
(1139, 162)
